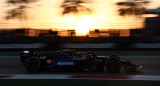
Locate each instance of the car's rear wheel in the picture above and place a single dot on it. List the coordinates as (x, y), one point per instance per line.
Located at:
(33, 64)
(113, 65)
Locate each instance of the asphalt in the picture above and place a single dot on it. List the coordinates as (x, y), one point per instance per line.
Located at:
(12, 65)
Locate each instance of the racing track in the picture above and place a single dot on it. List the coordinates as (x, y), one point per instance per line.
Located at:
(10, 64)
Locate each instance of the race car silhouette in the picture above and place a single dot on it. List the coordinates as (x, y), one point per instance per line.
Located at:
(75, 61)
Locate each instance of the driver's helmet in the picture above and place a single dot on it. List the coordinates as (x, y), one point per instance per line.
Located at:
(71, 50)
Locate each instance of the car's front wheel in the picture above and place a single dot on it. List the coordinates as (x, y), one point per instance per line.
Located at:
(33, 64)
(112, 65)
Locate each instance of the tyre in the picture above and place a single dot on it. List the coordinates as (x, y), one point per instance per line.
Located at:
(113, 64)
(33, 64)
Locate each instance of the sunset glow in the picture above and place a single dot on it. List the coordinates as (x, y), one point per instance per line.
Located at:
(84, 25)
(46, 14)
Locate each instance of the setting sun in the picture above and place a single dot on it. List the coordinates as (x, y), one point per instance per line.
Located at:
(82, 30)
(84, 25)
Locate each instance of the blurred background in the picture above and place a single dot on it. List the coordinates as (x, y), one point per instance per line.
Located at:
(128, 28)
(64, 23)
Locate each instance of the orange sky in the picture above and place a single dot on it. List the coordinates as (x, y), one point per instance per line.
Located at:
(104, 16)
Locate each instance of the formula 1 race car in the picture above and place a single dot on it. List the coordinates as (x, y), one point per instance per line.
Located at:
(78, 61)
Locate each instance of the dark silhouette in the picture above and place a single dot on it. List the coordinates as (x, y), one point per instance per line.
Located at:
(20, 1)
(132, 7)
(19, 12)
(71, 6)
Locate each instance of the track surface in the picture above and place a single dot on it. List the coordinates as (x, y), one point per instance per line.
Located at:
(151, 65)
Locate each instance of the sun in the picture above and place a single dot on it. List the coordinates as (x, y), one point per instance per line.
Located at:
(82, 30)
(83, 27)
